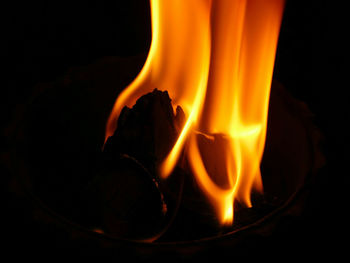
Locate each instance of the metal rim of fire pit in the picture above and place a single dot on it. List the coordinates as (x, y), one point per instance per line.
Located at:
(274, 214)
(108, 237)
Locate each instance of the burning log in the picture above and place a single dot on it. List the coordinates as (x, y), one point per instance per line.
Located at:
(130, 201)
(145, 134)
(148, 131)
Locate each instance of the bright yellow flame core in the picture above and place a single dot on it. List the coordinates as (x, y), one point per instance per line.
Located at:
(215, 58)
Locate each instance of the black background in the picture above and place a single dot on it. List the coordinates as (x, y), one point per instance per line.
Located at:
(40, 40)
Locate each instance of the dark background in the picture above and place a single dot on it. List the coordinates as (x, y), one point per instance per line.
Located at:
(41, 40)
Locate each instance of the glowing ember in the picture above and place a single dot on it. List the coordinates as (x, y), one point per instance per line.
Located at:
(215, 58)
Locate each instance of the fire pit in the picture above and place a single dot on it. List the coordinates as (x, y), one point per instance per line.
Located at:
(57, 159)
(76, 185)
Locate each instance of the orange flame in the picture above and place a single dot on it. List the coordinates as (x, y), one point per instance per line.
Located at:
(215, 58)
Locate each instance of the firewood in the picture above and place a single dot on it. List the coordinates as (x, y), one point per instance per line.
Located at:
(129, 201)
(147, 131)
(131, 204)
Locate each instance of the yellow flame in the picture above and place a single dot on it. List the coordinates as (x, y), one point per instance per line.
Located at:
(215, 58)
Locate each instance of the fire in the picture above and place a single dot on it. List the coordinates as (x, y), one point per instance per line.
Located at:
(216, 59)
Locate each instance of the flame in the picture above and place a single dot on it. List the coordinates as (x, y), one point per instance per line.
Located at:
(216, 59)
